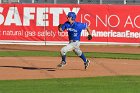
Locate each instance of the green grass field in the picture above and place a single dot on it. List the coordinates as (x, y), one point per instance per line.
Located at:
(54, 54)
(117, 84)
(114, 84)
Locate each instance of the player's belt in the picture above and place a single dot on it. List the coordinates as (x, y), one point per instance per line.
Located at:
(74, 40)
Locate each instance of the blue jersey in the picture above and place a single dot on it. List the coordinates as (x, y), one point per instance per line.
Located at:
(74, 30)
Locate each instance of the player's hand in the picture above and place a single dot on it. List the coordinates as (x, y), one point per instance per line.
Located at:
(60, 25)
(89, 37)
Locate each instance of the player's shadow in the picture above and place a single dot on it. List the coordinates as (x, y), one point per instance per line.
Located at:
(30, 68)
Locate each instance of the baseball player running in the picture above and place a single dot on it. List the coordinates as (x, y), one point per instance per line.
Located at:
(74, 32)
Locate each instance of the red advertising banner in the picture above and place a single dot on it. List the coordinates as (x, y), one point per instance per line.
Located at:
(38, 22)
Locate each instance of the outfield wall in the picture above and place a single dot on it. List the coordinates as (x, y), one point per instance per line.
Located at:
(37, 23)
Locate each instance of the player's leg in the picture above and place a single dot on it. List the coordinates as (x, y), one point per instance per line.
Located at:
(82, 56)
(79, 53)
(63, 53)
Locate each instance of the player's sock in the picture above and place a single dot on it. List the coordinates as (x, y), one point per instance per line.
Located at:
(83, 57)
(64, 58)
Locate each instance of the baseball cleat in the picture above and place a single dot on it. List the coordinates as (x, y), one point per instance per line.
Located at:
(86, 64)
(63, 63)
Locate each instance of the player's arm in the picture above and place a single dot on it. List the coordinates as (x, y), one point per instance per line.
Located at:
(60, 27)
(85, 26)
(88, 30)
(89, 34)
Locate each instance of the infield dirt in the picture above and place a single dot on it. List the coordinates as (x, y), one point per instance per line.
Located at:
(46, 67)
